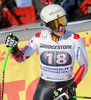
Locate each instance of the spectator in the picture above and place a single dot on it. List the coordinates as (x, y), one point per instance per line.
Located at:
(9, 4)
(86, 6)
(72, 8)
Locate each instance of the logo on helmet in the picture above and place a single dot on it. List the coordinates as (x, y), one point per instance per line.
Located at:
(58, 15)
(55, 12)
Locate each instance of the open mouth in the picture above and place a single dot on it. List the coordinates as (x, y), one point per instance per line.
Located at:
(60, 30)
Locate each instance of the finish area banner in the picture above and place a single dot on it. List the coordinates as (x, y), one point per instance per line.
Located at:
(21, 79)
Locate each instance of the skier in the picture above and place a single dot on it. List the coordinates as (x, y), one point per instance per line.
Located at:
(58, 48)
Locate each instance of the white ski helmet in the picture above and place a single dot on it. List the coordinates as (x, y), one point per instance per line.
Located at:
(51, 13)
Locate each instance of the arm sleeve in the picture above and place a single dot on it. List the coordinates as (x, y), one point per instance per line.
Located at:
(27, 51)
(81, 56)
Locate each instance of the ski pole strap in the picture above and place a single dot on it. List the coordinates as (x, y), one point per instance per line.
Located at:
(81, 97)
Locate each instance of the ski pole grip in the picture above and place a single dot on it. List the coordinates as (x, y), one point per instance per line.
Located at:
(14, 37)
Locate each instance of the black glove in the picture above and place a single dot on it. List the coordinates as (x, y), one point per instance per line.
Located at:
(71, 92)
(11, 40)
(61, 94)
(71, 84)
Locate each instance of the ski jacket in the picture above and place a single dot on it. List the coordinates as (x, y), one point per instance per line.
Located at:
(56, 58)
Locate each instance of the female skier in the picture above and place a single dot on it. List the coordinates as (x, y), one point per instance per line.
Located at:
(58, 48)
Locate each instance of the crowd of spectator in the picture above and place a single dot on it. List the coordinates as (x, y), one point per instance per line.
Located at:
(75, 9)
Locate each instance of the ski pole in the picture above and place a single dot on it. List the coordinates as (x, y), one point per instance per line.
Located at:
(4, 70)
(10, 48)
(81, 97)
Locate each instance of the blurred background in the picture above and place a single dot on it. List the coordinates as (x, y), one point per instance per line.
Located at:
(19, 12)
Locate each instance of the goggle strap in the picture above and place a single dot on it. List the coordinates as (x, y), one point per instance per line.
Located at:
(43, 23)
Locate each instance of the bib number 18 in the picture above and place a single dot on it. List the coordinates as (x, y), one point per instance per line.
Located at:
(55, 58)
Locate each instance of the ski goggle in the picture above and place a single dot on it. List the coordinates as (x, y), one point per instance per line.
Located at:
(56, 23)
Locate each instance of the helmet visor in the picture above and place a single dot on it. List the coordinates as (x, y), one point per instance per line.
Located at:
(56, 23)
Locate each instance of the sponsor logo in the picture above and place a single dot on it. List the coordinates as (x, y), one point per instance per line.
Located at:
(55, 46)
(26, 47)
(58, 70)
(55, 12)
